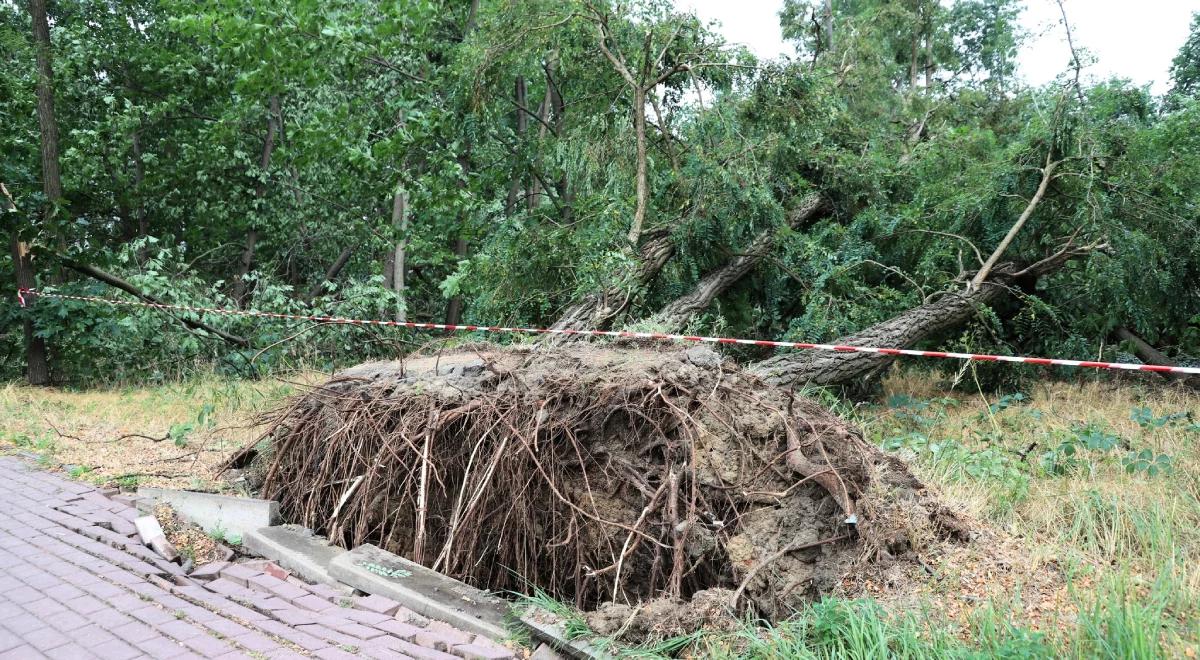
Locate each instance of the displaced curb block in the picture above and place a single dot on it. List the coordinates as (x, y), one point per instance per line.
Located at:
(296, 549)
(426, 592)
(231, 515)
(538, 621)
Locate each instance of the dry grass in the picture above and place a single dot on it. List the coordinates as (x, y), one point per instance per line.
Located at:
(84, 430)
(1086, 516)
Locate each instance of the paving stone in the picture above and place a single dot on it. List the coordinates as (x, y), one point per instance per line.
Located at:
(23, 652)
(398, 629)
(115, 650)
(481, 652)
(7, 640)
(288, 591)
(209, 571)
(45, 639)
(450, 632)
(378, 604)
(358, 630)
(72, 586)
(333, 653)
(322, 632)
(256, 642)
(70, 651)
(314, 603)
(421, 651)
(364, 617)
(207, 646)
(239, 574)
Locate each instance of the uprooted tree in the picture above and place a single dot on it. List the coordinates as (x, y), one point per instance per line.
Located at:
(598, 475)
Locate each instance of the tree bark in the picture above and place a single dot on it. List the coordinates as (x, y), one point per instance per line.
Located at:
(827, 24)
(597, 310)
(681, 310)
(797, 368)
(400, 224)
(246, 261)
(1150, 355)
(37, 365)
(114, 281)
(455, 306)
(543, 112)
(1047, 177)
(331, 273)
(51, 178)
(562, 186)
(643, 188)
(520, 95)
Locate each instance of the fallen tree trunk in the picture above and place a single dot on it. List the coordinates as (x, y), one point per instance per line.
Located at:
(1150, 355)
(906, 329)
(114, 281)
(681, 310)
(597, 309)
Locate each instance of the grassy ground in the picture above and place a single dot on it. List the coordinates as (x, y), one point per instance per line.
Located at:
(171, 435)
(1088, 495)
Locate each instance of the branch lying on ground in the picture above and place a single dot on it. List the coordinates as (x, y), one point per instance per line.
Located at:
(114, 281)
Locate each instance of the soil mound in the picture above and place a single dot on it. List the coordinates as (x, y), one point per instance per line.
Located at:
(600, 475)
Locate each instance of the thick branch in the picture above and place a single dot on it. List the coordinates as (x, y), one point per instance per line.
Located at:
(597, 309)
(1150, 355)
(114, 281)
(681, 310)
(907, 328)
(330, 274)
(1047, 176)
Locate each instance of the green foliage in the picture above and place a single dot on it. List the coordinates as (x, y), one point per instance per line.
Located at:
(1185, 68)
(912, 123)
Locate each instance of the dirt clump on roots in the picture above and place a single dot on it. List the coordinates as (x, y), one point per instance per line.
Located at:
(625, 481)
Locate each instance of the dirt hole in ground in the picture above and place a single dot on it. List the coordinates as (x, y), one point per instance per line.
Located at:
(659, 490)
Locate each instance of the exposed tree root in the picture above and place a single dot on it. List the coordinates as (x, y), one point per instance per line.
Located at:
(596, 474)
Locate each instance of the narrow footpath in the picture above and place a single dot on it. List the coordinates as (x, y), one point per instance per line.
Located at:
(76, 582)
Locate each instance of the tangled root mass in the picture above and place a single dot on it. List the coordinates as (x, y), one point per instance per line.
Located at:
(596, 474)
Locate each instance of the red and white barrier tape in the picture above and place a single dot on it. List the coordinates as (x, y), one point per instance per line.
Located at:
(1046, 362)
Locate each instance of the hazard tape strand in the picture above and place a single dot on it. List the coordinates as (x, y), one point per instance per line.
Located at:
(23, 295)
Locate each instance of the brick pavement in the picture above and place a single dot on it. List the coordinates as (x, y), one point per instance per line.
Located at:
(75, 582)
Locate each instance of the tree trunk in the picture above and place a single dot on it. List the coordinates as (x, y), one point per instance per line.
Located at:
(643, 188)
(400, 224)
(455, 306)
(331, 273)
(827, 24)
(797, 368)
(1150, 355)
(543, 112)
(597, 309)
(681, 310)
(37, 365)
(522, 122)
(246, 262)
(562, 187)
(51, 179)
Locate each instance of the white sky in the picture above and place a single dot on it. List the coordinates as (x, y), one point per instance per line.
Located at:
(1134, 40)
